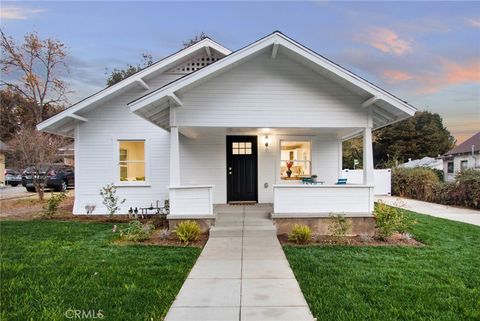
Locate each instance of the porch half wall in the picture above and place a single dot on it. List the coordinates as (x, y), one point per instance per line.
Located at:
(203, 162)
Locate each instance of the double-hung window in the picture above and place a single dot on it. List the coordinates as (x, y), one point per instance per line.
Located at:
(131, 160)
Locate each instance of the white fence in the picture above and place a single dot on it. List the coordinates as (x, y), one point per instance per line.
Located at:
(382, 179)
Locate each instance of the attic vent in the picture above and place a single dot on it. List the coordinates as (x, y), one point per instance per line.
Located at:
(194, 64)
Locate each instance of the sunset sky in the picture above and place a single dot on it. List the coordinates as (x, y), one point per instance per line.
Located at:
(427, 53)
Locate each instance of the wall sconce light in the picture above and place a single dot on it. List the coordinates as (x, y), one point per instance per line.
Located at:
(267, 140)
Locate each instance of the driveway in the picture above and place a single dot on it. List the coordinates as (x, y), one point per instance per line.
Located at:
(10, 192)
(459, 214)
(242, 274)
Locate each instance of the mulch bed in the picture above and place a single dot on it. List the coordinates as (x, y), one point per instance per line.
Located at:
(322, 240)
(156, 239)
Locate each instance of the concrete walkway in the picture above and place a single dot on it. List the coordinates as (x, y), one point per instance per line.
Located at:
(242, 274)
(448, 212)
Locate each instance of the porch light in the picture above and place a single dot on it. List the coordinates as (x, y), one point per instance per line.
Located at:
(266, 141)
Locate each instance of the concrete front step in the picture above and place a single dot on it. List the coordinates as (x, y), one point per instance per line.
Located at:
(231, 231)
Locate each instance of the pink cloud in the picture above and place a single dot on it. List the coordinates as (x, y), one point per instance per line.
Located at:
(473, 22)
(396, 76)
(388, 41)
(448, 73)
(452, 73)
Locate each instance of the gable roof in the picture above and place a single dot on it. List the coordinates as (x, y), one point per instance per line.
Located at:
(383, 101)
(70, 115)
(466, 146)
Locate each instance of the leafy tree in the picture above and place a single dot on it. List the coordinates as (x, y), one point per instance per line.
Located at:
(36, 67)
(118, 75)
(416, 137)
(16, 113)
(353, 150)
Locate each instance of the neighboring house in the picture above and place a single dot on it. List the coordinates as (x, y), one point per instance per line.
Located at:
(208, 126)
(3, 149)
(466, 155)
(430, 162)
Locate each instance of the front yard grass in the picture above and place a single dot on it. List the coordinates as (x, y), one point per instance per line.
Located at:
(49, 267)
(438, 281)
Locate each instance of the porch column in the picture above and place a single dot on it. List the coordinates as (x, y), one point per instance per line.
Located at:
(174, 157)
(368, 166)
(367, 157)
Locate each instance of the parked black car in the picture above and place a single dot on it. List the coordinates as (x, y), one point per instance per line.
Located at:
(59, 178)
(12, 177)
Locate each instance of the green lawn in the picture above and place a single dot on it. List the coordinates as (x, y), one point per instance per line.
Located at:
(48, 267)
(439, 281)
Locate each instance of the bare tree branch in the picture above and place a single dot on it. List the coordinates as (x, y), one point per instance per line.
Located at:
(39, 64)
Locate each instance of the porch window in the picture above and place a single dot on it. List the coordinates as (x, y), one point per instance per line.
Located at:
(131, 160)
(295, 159)
(463, 165)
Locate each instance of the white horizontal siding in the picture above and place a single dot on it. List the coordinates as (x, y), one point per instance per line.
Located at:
(203, 162)
(95, 154)
(326, 158)
(265, 92)
(322, 199)
(191, 201)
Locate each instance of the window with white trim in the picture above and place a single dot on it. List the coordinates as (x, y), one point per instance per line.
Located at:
(295, 159)
(131, 160)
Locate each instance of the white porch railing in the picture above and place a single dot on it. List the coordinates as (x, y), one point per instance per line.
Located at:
(321, 200)
(191, 201)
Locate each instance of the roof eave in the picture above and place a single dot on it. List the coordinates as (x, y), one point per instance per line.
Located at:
(135, 79)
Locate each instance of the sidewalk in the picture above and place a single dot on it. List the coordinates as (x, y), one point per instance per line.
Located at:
(242, 274)
(448, 212)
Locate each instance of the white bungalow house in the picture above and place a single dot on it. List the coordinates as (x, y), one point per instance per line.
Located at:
(208, 126)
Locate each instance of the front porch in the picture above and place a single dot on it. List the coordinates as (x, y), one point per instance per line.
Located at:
(202, 170)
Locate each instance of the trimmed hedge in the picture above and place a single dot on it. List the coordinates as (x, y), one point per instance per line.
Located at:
(423, 184)
(419, 183)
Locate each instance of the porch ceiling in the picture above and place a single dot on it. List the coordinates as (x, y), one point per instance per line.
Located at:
(340, 133)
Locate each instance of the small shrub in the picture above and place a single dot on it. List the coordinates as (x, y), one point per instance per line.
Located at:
(466, 191)
(52, 204)
(164, 234)
(187, 231)
(136, 231)
(300, 234)
(390, 220)
(339, 226)
(110, 199)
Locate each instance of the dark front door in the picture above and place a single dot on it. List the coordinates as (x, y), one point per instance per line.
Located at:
(242, 168)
